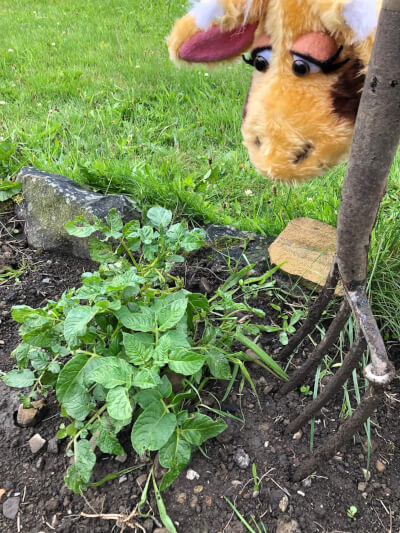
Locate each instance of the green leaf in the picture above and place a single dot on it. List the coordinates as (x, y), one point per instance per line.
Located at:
(283, 338)
(9, 189)
(152, 428)
(109, 372)
(177, 338)
(159, 216)
(193, 240)
(143, 321)
(105, 438)
(85, 458)
(147, 396)
(76, 322)
(102, 252)
(218, 364)
(175, 455)
(73, 480)
(170, 314)
(39, 359)
(137, 352)
(176, 231)
(118, 403)
(165, 519)
(169, 478)
(114, 221)
(43, 336)
(198, 429)
(79, 227)
(146, 379)
(149, 251)
(71, 374)
(236, 277)
(130, 229)
(160, 354)
(165, 387)
(185, 362)
(272, 365)
(19, 378)
(146, 234)
(20, 313)
(78, 403)
(176, 452)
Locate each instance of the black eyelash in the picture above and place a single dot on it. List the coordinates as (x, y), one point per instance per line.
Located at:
(254, 54)
(327, 66)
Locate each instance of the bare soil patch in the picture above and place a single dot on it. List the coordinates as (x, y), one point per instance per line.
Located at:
(196, 505)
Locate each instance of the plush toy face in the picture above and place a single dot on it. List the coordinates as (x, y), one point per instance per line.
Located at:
(307, 57)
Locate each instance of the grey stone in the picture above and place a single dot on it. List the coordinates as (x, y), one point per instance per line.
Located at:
(36, 443)
(238, 245)
(51, 200)
(148, 525)
(52, 446)
(11, 507)
(242, 459)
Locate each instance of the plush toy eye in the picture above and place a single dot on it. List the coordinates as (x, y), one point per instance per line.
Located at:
(262, 60)
(302, 67)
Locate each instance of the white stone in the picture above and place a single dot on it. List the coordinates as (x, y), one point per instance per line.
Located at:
(191, 475)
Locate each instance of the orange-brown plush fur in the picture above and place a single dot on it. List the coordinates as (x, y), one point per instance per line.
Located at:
(294, 128)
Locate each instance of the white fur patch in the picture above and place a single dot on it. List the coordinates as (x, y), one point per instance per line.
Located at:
(205, 12)
(361, 16)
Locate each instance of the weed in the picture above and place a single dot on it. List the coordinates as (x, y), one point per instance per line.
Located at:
(352, 511)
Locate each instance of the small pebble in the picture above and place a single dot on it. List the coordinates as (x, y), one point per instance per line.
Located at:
(52, 445)
(36, 443)
(198, 489)
(362, 486)
(121, 458)
(284, 504)
(380, 466)
(181, 498)
(301, 493)
(193, 502)
(191, 475)
(11, 507)
(298, 435)
(242, 459)
(122, 479)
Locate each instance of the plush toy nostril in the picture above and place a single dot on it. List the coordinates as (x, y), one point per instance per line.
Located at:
(257, 142)
(303, 154)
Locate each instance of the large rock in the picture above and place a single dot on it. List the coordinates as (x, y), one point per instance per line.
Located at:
(230, 244)
(50, 201)
(307, 247)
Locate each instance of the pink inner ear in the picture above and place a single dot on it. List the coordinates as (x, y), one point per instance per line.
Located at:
(215, 45)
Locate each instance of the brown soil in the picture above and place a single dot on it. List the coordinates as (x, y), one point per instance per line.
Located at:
(197, 506)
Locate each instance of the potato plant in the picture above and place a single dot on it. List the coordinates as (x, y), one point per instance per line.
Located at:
(109, 347)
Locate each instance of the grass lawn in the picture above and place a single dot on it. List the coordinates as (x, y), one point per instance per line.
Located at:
(87, 90)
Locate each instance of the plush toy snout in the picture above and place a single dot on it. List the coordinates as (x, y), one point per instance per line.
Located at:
(291, 128)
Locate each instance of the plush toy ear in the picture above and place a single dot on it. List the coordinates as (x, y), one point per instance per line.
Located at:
(215, 30)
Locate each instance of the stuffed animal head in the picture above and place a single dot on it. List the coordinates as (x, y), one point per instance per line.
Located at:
(308, 59)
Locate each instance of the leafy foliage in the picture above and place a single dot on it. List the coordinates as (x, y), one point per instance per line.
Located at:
(109, 348)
